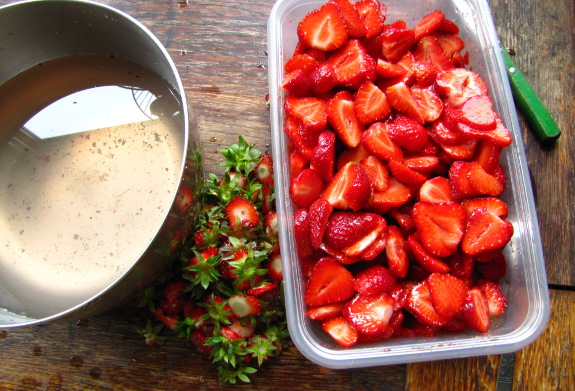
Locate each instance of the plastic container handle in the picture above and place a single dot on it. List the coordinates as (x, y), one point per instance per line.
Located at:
(542, 124)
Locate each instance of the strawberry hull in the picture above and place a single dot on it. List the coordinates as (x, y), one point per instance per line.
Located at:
(525, 283)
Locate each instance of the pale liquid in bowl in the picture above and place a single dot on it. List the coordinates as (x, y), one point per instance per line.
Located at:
(86, 181)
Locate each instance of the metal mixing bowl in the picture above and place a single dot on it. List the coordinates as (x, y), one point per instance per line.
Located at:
(89, 214)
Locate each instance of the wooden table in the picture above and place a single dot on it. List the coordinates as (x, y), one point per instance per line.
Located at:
(219, 47)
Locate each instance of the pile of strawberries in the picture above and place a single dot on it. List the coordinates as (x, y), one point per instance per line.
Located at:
(395, 174)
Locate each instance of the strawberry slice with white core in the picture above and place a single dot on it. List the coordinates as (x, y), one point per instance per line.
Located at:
(349, 189)
(475, 310)
(369, 314)
(441, 226)
(244, 305)
(376, 141)
(485, 231)
(342, 116)
(448, 293)
(459, 84)
(323, 29)
(341, 331)
(329, 282)
(420, 304)
(399, 96)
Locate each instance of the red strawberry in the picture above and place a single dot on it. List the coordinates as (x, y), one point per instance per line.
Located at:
(344, 229)
(376, 140)
(323, 29)
(323, 159)
(363, 246)
(356, 155)
(274, 266)
(263, 289)
(184, 199)
(427, 261)
(450, 43)
(499, 136)
(494, 204)
(350, 188)
(494, 268)
(306, 188)
(459, 84)
(303, 62)
(264, 170)
(463, 150)
(296, 83)
(374, 280)
(428, 24)
(352, 65)
(482, 182)
(319, 213)
(243, 305)
(297, 163)
(395, 42)
(430, 105)
(441, 226)
(370, 11)
(461, 265)
(395, 195)
(355, 26)
(459, 180)
(371, 103)
(329, 282)
(478, 113)
(422, 163)
(369, 314)
(435, 190)
(324, 312)
(339, 255)
(340, 331)
(444, 131)
(397, 259)
(429, 49)
(485, 231)
(377, 247)
(389, 70)
(448, 293)
(241, 213)
(405, 174)
(448, 26)
(268, 205)
(420, 304)
(322, 79)
(399, 96)
(407, 133)
(402, 216)
(425, 73)
(495, 298)
(310, 111)
(475, 310)
(341, 114)
(377, 171)
(488, 155)
(302, 233)
(302, 140)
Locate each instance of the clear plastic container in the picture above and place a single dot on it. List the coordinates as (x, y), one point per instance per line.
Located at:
(525, 285)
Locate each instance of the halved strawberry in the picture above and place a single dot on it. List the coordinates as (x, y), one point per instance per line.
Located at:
(407, 133)
(341, 114)
(461, 265)
(376, 141)
(485, 231)
(420, 304)
(499, 136)
(355, 26)
(377, 171)
(428, 24)
(399, 96)
(356, 155)
(374, 280)
(324, 312)
(450, 43)
(395, 41)
(459, 84)
(345, 229)
(339, 255)
(306, 188)
(297, 163)
(375, 248)
(447, 26)
(494, 204)
(296, 83)
(396, 194)
(372, 15)
(441, 226)
(463, 150)
(488, 155)
(427, 261)
(369, 314)
(435, 190)
(448, 293)
(371, 103)
(482, 182)
(323, 158)
(352, 65)
(241, 213)
(364, 244)
(389, 70)
(429, 49)
(430, 105)
(340, 331)
(492, 268)
(459, 180)
(329, 282)
(402, 216)
(422, 163)
(302, 62)
(310, 111)
(350, 188)
(322, 79)
(397, 259)
(478, 113)
(405, 174)
(323, 29)
(264, 170)
(302, 233)
(244, 305)
(319, 212)
(495, 299)
(475, 310)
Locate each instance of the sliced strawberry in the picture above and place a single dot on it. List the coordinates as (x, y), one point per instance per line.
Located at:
(402, 216)
(376, 248)
(241, 213)
(329, 282)
(488, 155)
(461, 265)
(436, 190)
(448, 293)
(310, 111)
(428, 24)
(494, 204)
(300, 140)
(339, 255)
(374, 280)
(344, 229)
(499, 136)
(420, 304)
(340, 331)
(306, 188)
(397, 259)
(297, 163)
(319, 212)
(302, 233)
(274, 266)
(352, 65)
(425, 73)
(323, 29)
(370, 12)
(322, 79)
(369, 314)
(356, 155)
(341, 114)
(244, 305)
(405, 174)
(395, 42)
(475, 310)
(324, 312)
(485, 231)
(303, 62)
(377, 171)
(407, 133)
(350, 188)
(264, 170)
(429, 103)
(459, 84)
(494, 268)
(447, 26)
(459, 180)
(427, 261)
(422, 163)
(376, 141)
(399, 96)
(463, 150)
(296, 83)
(429, 49)
(323, 158)
(355, 26)
(482, 182)
(478, 113)
(449, 42)
(362, 245)
(441, 226)
(397, 194)
(265, 288)
(389, 70)
(371, 103)
(184, 199)
(495, 299)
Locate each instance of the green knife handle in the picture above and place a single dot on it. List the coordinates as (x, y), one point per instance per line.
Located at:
(529, 103)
